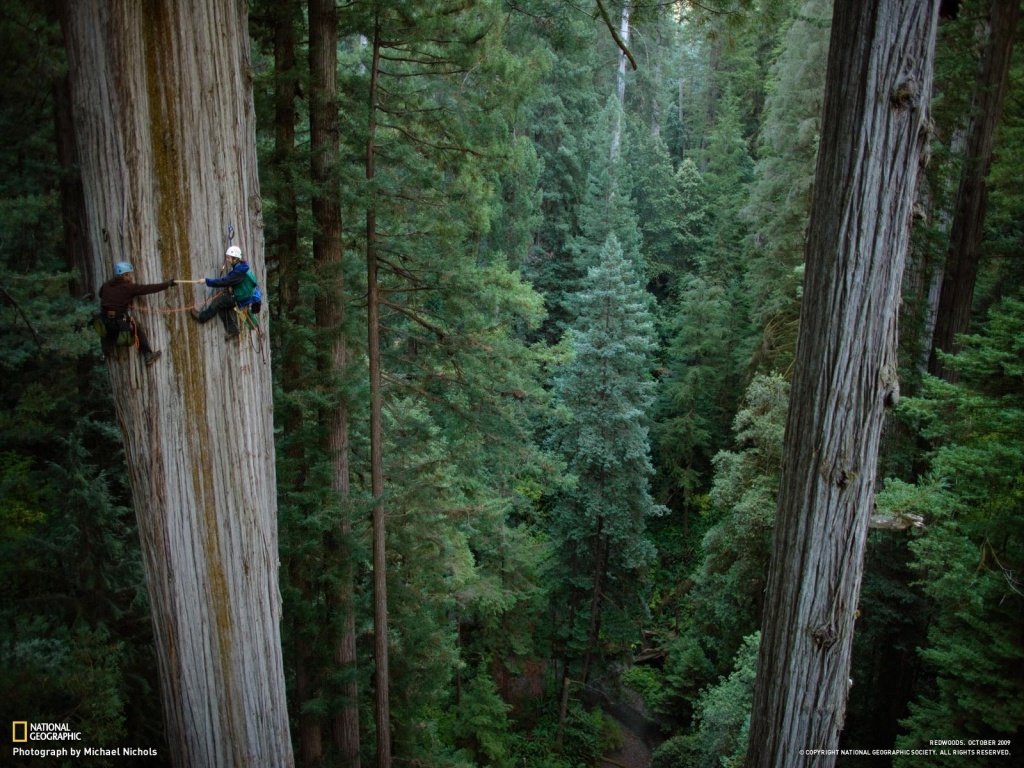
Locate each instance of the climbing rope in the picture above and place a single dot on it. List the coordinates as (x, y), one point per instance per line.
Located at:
(257, 338)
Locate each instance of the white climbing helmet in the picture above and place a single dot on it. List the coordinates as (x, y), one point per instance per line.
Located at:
(234, 252)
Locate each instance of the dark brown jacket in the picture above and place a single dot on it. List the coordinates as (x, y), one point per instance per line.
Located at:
(116, 295)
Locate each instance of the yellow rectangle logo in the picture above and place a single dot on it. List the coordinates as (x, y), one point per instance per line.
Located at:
(24, 730)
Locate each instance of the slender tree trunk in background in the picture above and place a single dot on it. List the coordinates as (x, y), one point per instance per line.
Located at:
(714, 93)
(166, 135)
(878, 86)
(594, 625)
(72, 194)
(325, 146)
(658, 78)
(382, 706)
(311, 746)
(620, 83)
(284, 249)
(961, 272)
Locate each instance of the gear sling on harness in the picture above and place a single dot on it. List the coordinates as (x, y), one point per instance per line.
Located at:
(117, 326)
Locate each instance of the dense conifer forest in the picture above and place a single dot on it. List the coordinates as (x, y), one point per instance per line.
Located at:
(533, 277)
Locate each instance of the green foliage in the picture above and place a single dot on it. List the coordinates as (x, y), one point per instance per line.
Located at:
(481, 723)
(498, 206)
(730, 582)
(724, 712)
(701, 386)
(780, 198)
(1002, 272)
(971, 553)
(74, 676)
(721, 719)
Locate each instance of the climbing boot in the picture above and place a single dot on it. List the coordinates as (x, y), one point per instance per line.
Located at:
(152, 357)
(232, 337)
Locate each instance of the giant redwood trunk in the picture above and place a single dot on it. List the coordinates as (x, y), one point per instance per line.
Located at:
(877, 89)
(164, 118)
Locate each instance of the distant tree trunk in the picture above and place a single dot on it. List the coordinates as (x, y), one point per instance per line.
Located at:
(877, 90)
(283, 248)
(311, 745)
(382, 706)
(72, 194)
(325, 147)
(166, 136)
(594, 624)
(620, 82)
(285, 245)
(961, 273)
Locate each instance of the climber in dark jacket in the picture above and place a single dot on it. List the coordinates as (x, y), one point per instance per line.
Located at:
(116, 298)
(240, 285)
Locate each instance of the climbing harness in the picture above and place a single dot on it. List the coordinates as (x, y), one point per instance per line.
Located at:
(118, 325)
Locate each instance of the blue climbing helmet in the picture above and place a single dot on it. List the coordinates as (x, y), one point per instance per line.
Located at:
(123, 268)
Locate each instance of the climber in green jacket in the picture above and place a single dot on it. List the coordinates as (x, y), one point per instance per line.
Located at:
(240, 291)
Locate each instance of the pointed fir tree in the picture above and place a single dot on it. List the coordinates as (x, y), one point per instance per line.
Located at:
(657, 199)
(604, 393)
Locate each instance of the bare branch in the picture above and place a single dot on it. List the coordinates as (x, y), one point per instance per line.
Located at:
(35, 336)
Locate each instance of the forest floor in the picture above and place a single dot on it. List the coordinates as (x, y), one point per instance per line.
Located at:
(634, 752)
(639, 734)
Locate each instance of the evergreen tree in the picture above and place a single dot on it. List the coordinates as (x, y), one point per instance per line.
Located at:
(604, 393)
(449, 377)
(659, 205)
(607, 209)
(721, 720)
(206, 508)
(707, 343)
(557, 120)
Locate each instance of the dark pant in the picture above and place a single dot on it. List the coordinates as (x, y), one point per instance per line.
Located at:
(119, 323)
(224, 305)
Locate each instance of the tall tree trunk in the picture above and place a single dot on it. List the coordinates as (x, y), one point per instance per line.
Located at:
(382, 706)
(961, 273)
(311, 746)
(72, 194)
(284, 249)
(325, 146)
(594, 625)
(166, 136)
(878, 85)
(620, 83)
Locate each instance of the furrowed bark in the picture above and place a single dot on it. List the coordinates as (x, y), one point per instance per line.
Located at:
(166, 136)
(877, 90)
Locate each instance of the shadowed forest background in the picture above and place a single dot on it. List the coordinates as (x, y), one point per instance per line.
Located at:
(590, 276)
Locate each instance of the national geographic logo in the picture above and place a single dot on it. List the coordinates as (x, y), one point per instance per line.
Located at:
(23, 731)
